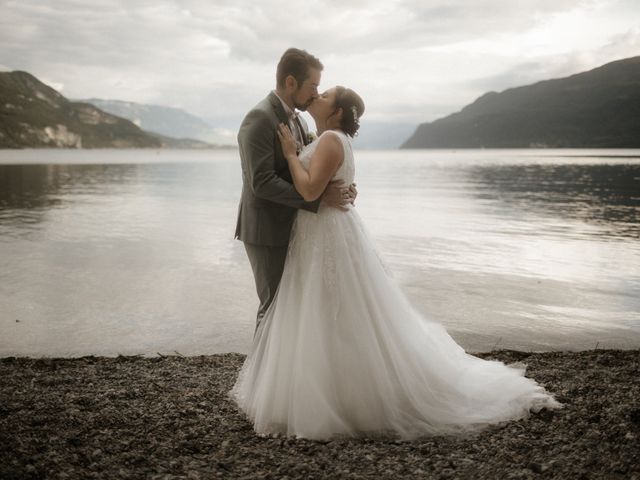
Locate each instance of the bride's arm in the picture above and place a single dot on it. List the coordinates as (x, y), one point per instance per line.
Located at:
(325, 162)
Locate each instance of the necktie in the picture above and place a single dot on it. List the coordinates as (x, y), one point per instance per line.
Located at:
(296, 129)
(300, 130)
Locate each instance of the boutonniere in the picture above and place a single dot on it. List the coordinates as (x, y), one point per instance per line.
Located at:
(311, 136)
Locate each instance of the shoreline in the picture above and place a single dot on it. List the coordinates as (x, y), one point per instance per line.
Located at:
(495, 350)
(170, 417)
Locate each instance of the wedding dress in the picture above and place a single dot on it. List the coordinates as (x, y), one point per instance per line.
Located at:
(341, 352)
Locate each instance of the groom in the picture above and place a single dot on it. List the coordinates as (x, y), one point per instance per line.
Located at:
(269, 200)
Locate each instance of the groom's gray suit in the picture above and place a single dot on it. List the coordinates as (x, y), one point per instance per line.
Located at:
(269, 201)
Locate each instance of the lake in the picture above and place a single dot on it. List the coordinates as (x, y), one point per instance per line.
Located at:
(112, 252)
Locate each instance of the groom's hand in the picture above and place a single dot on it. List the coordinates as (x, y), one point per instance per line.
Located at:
(353, 193)
(337, 195)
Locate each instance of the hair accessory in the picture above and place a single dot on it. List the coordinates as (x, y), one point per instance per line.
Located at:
(354, 110)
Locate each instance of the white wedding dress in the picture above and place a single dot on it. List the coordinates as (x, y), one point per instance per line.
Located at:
(341, 352)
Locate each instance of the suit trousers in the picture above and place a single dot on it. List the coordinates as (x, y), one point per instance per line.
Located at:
(267, 263)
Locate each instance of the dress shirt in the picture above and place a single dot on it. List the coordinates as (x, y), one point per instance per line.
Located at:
(294, 123)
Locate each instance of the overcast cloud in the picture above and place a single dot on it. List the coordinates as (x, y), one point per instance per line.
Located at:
(411, 60)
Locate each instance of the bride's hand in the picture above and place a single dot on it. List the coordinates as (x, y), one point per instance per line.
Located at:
(289, 145)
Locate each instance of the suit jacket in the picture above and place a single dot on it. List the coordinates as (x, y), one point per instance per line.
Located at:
(269, 201)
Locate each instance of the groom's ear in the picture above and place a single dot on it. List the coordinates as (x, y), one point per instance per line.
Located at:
(290, 82)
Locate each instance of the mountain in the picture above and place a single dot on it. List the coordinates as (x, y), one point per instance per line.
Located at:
(33, 114)
(595, 109)
(382, 135)
(167, 121)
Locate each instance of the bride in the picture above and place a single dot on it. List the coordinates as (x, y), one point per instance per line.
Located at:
(341, 352)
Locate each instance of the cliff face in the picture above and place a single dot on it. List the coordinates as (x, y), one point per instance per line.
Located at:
(595, 109)
(33, 114)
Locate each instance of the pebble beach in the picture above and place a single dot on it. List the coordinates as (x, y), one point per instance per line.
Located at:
(169, 417)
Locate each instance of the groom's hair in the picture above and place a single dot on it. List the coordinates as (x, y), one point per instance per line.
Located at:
(296, 62)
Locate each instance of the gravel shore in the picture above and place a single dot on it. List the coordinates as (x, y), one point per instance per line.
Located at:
(169, 417)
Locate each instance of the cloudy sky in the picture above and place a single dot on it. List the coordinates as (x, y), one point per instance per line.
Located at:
(412, 60)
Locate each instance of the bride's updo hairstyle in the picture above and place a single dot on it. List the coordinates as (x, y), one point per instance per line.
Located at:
(352, 109)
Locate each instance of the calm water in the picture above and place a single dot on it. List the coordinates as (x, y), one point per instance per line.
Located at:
(107, 252)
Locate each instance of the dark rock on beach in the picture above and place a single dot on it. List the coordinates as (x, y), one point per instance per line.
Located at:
(170, 417)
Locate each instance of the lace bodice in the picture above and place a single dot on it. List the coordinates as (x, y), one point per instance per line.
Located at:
(346, 172)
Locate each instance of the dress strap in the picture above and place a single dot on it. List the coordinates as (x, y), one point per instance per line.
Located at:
(344, 138)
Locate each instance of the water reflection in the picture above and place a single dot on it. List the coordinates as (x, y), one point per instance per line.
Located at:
(28, 186)
(111, 257)
(29, 193)
(35, 186)
(604, 195)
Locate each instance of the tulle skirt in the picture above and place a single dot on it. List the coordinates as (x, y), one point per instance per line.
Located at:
(341, 352)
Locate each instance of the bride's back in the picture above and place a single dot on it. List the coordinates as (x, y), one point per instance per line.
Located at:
(346, 171)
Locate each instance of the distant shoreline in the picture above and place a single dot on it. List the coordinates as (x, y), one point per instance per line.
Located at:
(124, 149)
(508, 353)
(235, 147)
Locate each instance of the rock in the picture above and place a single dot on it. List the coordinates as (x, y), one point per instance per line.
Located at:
(536, 467)
(634, 416)
(146, 436)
